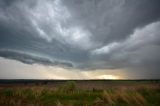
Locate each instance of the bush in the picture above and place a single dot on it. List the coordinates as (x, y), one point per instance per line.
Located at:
(68, 87)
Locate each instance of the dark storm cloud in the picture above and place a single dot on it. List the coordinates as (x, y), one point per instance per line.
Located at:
(112, 20)
(31, 59)
(84, 34)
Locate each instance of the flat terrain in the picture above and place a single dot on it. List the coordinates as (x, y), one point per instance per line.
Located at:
(79, 92)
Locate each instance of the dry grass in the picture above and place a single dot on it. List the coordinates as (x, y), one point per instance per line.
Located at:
(60, 96)
(124, 97)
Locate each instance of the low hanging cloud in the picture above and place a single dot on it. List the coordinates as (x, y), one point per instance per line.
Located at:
(9, 70)
(83, 34)
(32, 59)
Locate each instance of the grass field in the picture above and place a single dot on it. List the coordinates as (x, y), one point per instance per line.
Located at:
(80, 93)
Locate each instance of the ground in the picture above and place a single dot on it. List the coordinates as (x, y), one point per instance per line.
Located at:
(79, 93)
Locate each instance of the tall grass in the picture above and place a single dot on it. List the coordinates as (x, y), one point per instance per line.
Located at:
(68, 95)
(123, 97)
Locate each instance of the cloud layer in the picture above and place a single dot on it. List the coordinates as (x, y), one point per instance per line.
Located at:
(83, 34)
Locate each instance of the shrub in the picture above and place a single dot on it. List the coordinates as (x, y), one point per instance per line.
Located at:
(68, 87)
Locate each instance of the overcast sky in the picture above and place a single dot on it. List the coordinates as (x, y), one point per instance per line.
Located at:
(80, 39)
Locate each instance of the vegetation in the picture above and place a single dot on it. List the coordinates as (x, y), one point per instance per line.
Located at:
(68, 94)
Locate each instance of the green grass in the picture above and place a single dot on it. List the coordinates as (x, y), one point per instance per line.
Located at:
(69, 95)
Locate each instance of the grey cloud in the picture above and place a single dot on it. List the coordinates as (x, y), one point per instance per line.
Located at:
(139, 54)
(32, 59)
(111, 20)
(84, 34)
(22, 35)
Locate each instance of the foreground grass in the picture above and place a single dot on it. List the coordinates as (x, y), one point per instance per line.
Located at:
(69, 95)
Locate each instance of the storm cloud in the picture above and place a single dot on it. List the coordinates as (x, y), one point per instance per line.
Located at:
(83, 34)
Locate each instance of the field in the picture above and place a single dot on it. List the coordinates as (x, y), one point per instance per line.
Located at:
(80, 93)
